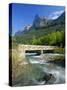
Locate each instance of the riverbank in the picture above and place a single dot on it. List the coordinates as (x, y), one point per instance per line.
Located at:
(60, 61)
(27, 72)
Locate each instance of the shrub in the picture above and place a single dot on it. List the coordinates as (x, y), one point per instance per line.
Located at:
(59, 50)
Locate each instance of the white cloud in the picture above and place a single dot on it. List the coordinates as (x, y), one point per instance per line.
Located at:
(54, 17)
(55, 14)
(58, 12)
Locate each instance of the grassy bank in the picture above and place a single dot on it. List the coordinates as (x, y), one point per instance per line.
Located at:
(20, 72)
(59, 50)
(59, 60)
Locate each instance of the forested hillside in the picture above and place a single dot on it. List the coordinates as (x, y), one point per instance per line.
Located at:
(43, 32)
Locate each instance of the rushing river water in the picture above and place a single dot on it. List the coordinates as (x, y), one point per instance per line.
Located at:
(41, 71)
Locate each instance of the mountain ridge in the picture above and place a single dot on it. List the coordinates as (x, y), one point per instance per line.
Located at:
(52, 26)
(42, 22)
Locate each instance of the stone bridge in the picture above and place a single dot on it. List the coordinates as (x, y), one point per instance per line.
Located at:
(23, 48)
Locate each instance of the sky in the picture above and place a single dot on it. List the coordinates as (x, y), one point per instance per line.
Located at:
(23, 14)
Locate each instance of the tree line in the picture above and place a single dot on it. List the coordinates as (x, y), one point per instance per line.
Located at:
(55, 38)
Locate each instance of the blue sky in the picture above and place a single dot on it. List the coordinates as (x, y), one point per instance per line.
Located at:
(23, 14)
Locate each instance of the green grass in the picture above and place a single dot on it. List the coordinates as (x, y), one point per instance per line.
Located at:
(59, 50)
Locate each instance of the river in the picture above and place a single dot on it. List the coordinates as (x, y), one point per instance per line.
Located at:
(41, 70)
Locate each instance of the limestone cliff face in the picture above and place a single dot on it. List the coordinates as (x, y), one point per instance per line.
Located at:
(39, 22)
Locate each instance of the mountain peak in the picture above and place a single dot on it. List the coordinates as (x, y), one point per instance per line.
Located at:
(39, 21)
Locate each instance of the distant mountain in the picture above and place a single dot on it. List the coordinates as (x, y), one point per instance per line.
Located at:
(59, 21)
(26, 28)
(39, 22)
(40, 27)
(18, 33)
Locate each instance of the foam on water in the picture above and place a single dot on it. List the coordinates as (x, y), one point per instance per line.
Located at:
(57, 71)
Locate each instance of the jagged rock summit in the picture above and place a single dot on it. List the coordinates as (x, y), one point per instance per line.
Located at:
(39, 22)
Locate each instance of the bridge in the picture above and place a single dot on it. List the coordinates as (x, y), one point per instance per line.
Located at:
(23, 48)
